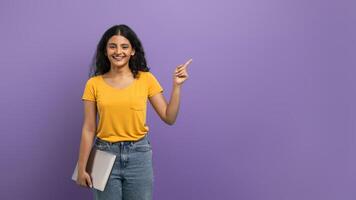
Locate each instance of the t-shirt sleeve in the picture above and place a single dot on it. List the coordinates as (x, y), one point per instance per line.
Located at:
(89, 91)
(154, 87)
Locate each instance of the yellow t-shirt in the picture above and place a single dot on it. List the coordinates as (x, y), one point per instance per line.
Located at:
(122, 112)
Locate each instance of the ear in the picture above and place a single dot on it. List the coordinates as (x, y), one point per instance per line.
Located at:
(133, 52)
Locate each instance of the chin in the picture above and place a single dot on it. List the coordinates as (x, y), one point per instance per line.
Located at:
(119, 64)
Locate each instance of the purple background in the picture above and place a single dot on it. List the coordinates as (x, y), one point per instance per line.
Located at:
(268, 112)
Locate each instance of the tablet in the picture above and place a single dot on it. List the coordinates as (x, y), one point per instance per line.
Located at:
(99, 167)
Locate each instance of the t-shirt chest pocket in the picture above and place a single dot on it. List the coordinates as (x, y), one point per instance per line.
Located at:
(138, 103)
(138, 98)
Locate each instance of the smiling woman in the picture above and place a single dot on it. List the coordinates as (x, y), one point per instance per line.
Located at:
(118, 92)
(119, 44)
(119, 51)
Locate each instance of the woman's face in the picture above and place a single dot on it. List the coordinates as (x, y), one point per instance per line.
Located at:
(119, 50)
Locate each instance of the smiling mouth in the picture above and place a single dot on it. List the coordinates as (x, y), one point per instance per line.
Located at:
(118, 58)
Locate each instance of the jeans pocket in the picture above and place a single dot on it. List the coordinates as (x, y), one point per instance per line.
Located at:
(100, 146)
(142, 147)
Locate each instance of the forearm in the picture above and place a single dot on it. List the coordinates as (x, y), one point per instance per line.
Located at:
(85, 148)
(173, 105)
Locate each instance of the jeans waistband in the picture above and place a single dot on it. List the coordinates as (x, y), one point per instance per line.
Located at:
(98, 140)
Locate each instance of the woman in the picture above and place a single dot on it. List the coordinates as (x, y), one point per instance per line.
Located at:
(118, 93)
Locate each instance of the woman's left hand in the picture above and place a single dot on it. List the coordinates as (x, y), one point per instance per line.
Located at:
(180, 74)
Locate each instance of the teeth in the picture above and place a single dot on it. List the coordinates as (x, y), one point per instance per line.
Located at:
(119, 57)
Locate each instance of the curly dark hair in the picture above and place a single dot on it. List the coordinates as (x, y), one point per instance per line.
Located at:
(101, 64)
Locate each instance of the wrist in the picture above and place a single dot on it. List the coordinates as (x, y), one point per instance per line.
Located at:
(81, 168)
(178, 86)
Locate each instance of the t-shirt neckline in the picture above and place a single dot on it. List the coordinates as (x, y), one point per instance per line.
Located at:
(119, 89)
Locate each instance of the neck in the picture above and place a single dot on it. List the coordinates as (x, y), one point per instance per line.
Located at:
(117, 72)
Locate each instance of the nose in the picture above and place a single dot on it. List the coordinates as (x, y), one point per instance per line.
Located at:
(118, 50)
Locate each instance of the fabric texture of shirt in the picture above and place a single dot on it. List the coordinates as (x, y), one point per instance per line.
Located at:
(122, 112)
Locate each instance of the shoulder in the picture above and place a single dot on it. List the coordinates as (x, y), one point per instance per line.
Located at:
(94, 79)
(92, 82)
(144, 73)
(147, 75)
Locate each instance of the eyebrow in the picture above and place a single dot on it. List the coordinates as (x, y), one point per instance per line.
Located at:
(115, 44)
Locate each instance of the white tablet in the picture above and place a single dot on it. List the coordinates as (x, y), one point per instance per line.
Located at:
(99, 167)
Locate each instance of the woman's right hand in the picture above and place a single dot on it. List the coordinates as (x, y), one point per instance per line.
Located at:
(84, 179)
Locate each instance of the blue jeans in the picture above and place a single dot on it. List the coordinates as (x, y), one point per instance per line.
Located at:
(132, 175)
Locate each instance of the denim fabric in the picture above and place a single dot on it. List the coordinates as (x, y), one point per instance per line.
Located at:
(132, 175)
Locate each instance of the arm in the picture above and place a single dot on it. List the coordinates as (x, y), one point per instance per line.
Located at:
(167, 112)
(88, 133)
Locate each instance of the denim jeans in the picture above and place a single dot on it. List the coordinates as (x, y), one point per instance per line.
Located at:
(132, 175)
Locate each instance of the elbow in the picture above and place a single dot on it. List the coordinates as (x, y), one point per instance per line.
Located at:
(166, 120)
(169, 122)
(169, 119)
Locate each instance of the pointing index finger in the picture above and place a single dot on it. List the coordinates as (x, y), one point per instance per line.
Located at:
(188, 62)
(185, 64)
